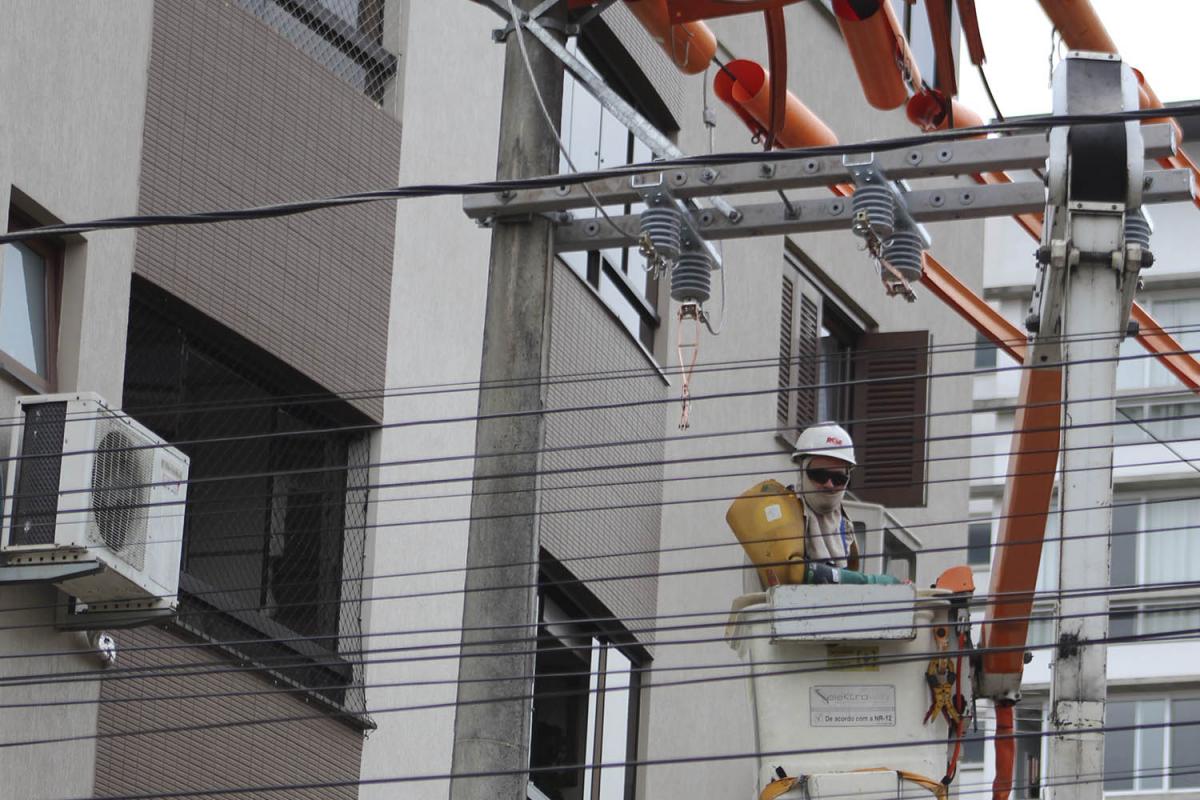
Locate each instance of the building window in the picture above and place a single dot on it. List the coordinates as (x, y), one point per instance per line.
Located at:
(1137, 369)
(1154, 540)
(344, 36)
(274, 531)
(985, 352)
(1165, 422)
(836, 347)
(816, 355)
(29, 297)
(585, 706)
(595, 139)
(1161, 755)
(979, 544)
(874, 383)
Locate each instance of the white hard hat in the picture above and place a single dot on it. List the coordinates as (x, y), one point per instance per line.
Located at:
(825, 439)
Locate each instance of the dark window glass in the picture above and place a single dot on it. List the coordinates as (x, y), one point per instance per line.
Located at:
(1122, 623)
(586, 697)
(979, 543)
(1119, 746)
(985, 352)
(1185, 744)
(974, 747)
(1124, 544)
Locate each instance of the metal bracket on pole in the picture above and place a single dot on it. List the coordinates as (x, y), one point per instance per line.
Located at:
(638, 125)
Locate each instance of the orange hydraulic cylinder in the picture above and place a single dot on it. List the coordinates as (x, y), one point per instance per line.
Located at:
(885, 66)
(746, 88)
(1037, 437)
(690, 46)
(1006, 752)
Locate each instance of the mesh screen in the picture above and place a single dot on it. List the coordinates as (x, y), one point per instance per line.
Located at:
(344, 36)
(121, 475)
(35, 499)
(274, 533)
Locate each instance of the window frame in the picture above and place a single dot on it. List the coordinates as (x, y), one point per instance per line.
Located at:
(309, 661)
(599, 49)
(812, 309)
(1168, 699)
(52, 252)
(587, 615)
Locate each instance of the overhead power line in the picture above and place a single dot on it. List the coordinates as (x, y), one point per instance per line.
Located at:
(550, 181)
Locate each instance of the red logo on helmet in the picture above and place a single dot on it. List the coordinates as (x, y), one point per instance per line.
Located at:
(833, 440)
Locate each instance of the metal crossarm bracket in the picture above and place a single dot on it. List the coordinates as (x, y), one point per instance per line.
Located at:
(810, 216)
(934, 159)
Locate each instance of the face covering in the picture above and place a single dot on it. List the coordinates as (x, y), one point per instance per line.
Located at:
(819, 500)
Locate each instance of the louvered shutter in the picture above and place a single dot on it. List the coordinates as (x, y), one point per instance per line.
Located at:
(783, 402)
(890, 402)
(808, 349)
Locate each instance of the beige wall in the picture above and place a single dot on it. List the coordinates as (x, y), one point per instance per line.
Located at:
(72, 83)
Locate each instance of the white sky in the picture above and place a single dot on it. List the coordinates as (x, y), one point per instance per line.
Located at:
(1159, 37)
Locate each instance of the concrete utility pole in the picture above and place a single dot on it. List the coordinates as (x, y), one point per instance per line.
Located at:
(1095, 184)
(491, 734)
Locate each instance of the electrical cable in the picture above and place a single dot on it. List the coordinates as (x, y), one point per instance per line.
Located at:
(814, 664)
(557, 379)
(206, 667)
(768, 361)
(337, 468)
(299, 718)
(689, 501)
(501, 186)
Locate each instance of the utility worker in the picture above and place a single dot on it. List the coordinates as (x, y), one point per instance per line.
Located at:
(825, 453)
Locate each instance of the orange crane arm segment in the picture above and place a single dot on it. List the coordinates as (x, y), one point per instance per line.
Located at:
(1167, 348)
(1032, 462)
(971, 307)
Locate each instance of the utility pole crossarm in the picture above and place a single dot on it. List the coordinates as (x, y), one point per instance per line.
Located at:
(935, 159)
(827, 214)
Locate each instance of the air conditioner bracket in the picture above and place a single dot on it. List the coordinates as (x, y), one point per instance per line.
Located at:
(110, 615)
(51, 572)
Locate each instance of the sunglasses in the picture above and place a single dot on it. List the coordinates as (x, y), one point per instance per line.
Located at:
(819, 476)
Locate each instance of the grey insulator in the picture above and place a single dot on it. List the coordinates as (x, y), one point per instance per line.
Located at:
(691, 279)
(663, 224)
(1137, 230)
(879, 206)
(903, 251)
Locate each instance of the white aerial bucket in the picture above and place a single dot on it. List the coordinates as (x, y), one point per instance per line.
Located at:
(838, 681)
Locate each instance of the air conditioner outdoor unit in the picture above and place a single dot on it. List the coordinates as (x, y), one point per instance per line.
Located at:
(90, 484)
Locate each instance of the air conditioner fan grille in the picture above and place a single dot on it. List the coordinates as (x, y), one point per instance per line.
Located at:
(121, 476)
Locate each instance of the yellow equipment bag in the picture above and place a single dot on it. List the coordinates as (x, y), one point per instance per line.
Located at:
(768, 520)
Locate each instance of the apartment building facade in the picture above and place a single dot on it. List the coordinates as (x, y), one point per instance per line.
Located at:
(321, 371)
